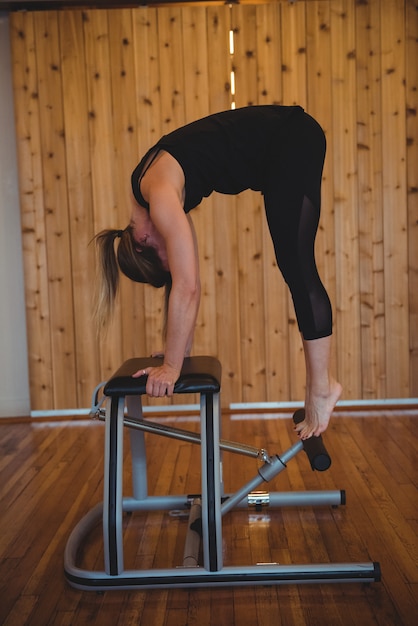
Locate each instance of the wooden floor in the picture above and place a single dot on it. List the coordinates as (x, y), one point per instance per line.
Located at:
(51, 475)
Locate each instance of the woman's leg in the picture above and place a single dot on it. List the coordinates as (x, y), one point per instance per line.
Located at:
(295, 257)
(322, 390)
(292, 202)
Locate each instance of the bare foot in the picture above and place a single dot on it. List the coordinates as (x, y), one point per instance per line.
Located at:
(318, 409)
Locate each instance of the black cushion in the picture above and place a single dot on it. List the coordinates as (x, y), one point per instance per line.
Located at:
(199, 374)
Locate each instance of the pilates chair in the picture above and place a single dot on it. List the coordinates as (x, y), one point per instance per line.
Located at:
(200, 375)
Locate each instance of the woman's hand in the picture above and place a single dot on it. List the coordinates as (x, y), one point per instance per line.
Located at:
(160, 381)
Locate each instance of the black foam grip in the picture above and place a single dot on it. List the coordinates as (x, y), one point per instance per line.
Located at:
(314, 447)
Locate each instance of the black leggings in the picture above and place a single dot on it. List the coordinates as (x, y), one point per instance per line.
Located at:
(292, 199)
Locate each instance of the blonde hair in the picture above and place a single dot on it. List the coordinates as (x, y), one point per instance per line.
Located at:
(139, 263)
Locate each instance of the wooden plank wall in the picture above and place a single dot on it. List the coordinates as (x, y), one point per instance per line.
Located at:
(94, 89)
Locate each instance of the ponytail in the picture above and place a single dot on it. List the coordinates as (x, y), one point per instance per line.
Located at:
(141, 265)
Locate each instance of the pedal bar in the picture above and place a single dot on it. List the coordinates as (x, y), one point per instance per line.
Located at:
(189, 436)
(268, 471)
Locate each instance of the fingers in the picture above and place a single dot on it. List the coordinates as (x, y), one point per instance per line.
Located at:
(160, 380)
(139, 373)
(158, 386)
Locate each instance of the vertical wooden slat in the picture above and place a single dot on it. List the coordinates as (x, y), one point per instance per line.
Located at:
(196, 100)
(56, 207)
(345, 188)
(124, 140)
(250, 215)
(147, 89)
(276, 295)
(227, 343)
(294, 92)
(269, 53)
(394, 194)
(32, 209)
(171, 68)
(294, 53)
(80, 200)
(171, 75)
(245, 57)
(148, 315)
(196, 105)
(369, 146)
(250, 212)
(219, 58)
(195, 63)
(102, 157)
(411, 23)
(276, 324)
(319, 105)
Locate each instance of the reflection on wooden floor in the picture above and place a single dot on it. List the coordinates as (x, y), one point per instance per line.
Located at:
(52, 474)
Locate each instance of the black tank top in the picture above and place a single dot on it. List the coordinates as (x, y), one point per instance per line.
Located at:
(225, 152)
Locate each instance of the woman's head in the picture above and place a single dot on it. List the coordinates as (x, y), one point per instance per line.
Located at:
(138, 261)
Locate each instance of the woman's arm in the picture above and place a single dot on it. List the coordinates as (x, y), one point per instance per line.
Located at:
(189, 344)
(184, 297)
(165, 196)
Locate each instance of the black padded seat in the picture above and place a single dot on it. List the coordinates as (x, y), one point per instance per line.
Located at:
(199, 374)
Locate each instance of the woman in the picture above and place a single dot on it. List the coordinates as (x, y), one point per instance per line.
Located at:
(276, 150)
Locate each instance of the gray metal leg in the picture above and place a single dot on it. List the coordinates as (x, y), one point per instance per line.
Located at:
(138, 451)
(113, 474)
(211, 483)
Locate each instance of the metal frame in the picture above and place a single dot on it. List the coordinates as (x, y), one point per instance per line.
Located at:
(214, 505)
